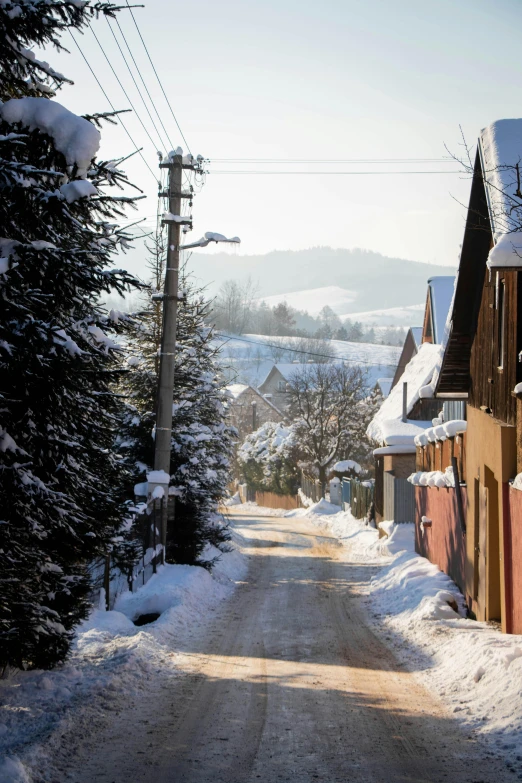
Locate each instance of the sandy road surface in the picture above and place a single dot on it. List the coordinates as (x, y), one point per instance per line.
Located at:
(289, 684)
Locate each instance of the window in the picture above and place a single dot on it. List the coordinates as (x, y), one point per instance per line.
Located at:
(501, 321)
(281, 386)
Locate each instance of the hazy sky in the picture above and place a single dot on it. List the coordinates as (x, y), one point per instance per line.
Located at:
(337, 80)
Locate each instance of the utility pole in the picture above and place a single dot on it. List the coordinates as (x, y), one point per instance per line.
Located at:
(158, 479)
(163, 436)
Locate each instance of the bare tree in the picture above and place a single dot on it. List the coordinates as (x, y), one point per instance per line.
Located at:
(327, 403)
(234, 307)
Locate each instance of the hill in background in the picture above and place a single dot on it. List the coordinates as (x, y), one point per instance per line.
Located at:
(377, 282)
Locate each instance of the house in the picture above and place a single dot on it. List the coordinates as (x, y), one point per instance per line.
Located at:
(438, 300)
(481, 368)
(274, 385)
(411, 346)
(248, 409)
(409, 409)
(384, 385)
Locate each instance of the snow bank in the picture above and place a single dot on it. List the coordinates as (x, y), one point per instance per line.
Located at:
(73, 136)
(362, 538)
(258, 511)
(420, 614)
(111, 662)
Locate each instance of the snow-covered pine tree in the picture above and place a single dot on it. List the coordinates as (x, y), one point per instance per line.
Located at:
(201, 440)
(268, 459)
(60, 480)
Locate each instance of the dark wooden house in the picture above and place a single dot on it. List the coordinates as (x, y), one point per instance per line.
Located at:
(482, 366)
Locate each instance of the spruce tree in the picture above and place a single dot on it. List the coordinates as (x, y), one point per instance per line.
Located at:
(60, 480)
(201, 438)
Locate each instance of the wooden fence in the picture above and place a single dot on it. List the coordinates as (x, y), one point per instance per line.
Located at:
(311, 487)
(271, 500)
(361, 498)
(149, 555)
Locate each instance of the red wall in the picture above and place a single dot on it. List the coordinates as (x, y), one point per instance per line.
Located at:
(513, 558)
(443, 543)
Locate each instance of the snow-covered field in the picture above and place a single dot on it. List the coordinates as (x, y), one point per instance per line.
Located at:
(253, 355)
(314, 299)
(419, 612)
(410, 315)
(342, 301)
(111, 662)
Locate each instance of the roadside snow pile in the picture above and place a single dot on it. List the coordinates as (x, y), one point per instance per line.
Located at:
(420, 614)
(235, 500)
(258, 511)
(363, 539)
(322, 508)
(415, 589)
(112, 661)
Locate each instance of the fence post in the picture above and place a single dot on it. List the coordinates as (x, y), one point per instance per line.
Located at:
(107, 580)
(154, 538)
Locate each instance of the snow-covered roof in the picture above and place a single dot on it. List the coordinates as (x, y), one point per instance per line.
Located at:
(385, 385)
(236, 389)
(501, 151)
(416, 333)
(387, 427)
(288, 370)
(441, 294)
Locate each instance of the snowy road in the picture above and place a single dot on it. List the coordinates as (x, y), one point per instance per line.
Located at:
(287, 683)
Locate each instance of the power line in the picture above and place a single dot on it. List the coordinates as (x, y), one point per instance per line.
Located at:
(123, 88)
(144, 84)
(138, 149)
(157, 77)
(330, 173)
(161, 141)
(297, 350)
(333, 160)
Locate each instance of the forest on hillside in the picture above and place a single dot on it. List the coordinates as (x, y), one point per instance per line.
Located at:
(237, 309)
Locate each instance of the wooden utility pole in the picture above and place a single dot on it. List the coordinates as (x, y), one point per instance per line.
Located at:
(163, 437)
(159, 477)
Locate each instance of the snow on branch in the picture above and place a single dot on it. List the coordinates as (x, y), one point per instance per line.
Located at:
(77, 139)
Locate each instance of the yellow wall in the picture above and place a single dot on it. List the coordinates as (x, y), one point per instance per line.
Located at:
(490, 462)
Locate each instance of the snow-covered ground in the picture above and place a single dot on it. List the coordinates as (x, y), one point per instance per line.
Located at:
(420, 614)
(111, 661)
(416, 609)
(410, 315)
